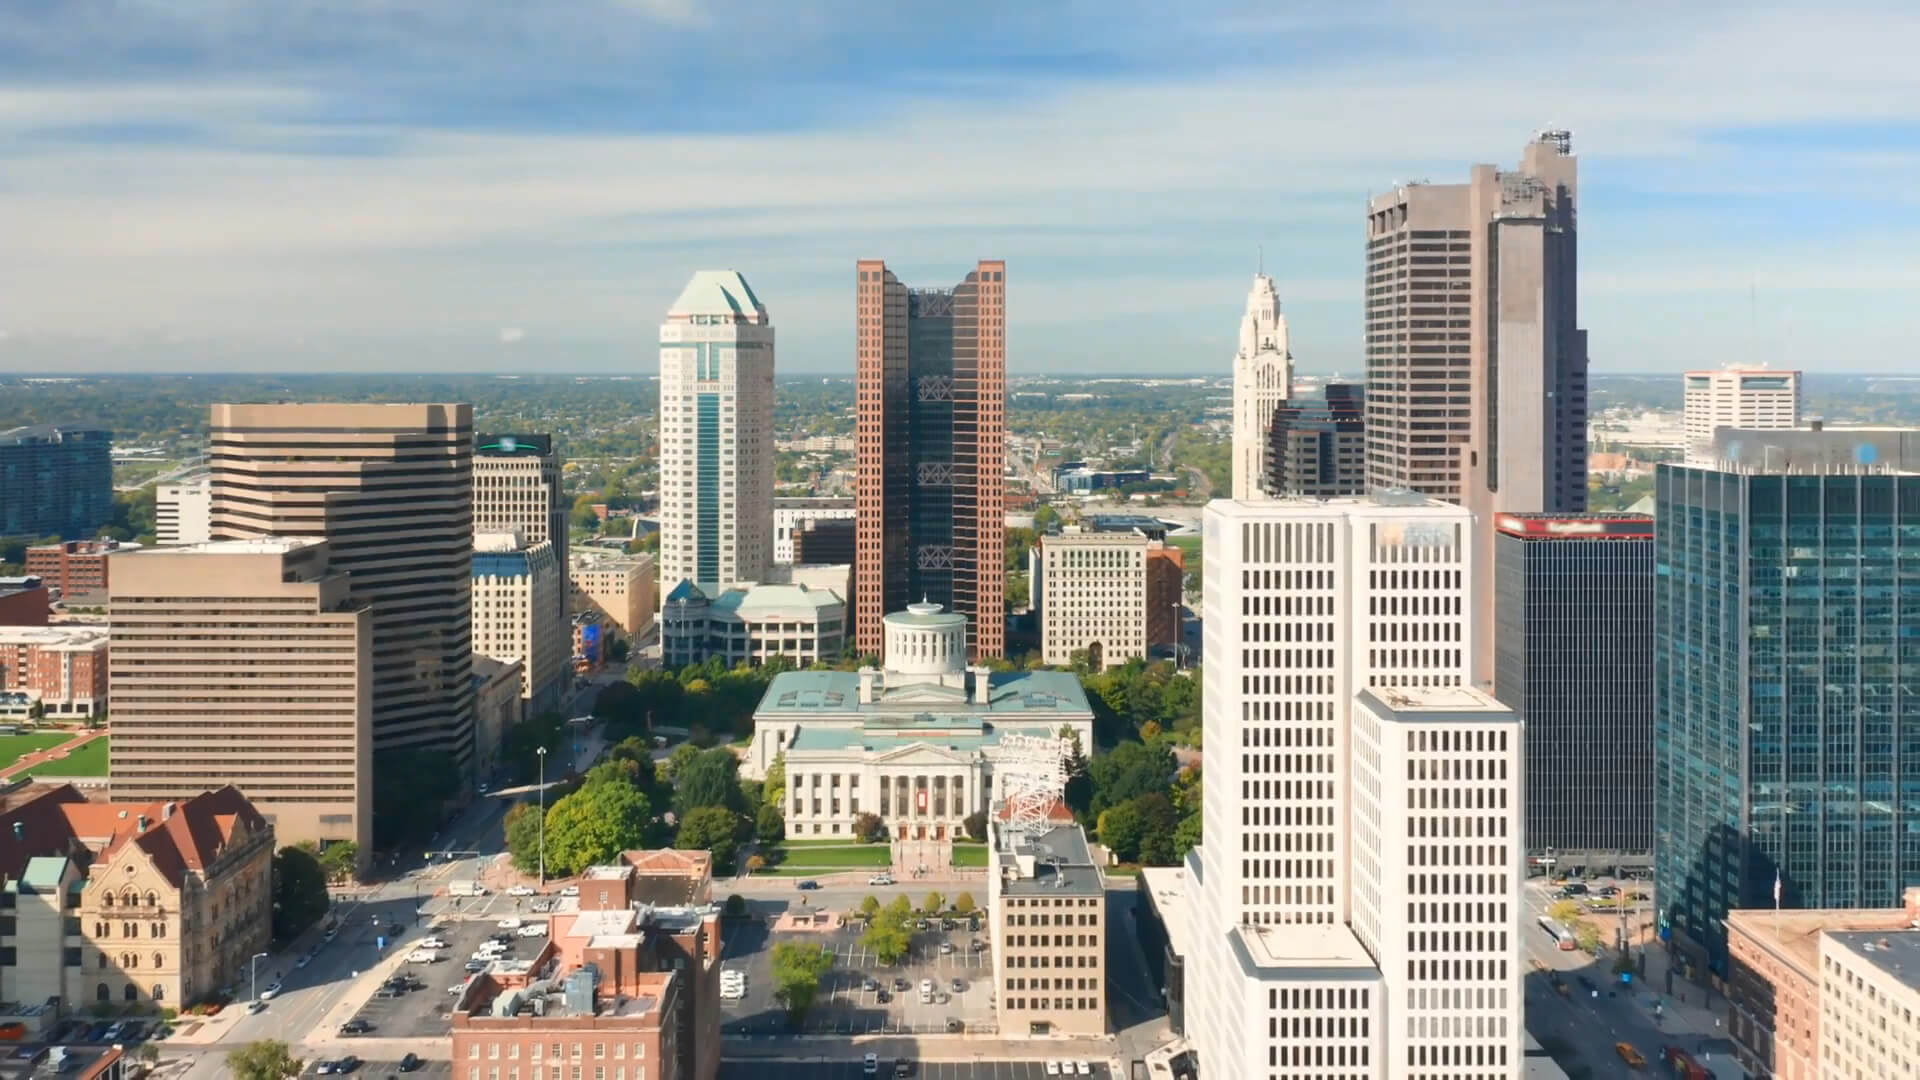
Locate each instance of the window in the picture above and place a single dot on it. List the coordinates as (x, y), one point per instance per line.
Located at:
(132, 993)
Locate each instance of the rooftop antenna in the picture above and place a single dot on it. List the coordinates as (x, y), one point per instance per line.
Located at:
(1262, 249)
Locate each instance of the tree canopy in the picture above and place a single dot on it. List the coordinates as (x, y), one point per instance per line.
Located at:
(266, 1059)
(299, 892)
(595, 824)
(711, 828)
(798, 968)
(711, 778)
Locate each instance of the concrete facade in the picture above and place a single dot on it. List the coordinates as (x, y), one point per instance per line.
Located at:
(716, 434)
(183, 512)
(497, 707)
(1751, 398)
(58, 673)
(1047, 906)
(516, 486)
(1262, 382)
(391, 488)
(516, 590)
(623, 587)
(247, 663)
(792, 516)
(1091, 592)
(752, 625)
(930, 484)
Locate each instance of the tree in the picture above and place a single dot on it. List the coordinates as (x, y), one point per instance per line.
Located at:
(870, 906)
(769, 825)
(1129, 771)
(756, 863)
(888, 935)
(933, 904)
(976, 825)
(520, 752)
(411, 789)
(773, 790)
(797, 971)
(148, 1055)
(963, 904)
(266, 1059)
(340, 860)
(1186, 835)
(868, 827)
(299, 892)
(735, 908)
(522, 825)
(677, 761)
(1120, 829)
(1586, 935)
(710, 779)
(1078, 789)
(1044, 518)
(710, 828)
(1564, 912)
(594, 825)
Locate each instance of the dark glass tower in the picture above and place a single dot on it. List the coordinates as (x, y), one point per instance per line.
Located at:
(1786, 684)
(55, 481)
(1319, 448)
(1573, 656)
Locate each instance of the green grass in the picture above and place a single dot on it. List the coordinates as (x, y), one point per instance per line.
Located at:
(969, 855)
(89, 760)
(1122, 870)
(15, 747)
(829, 841)
(832, 858)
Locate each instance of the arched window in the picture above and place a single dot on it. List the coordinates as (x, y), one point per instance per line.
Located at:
(132, 994)
(159, 992)
(153, 899)
(106, 900)
(102, 993)
(131, 899)
(159, 929)
(159, 960)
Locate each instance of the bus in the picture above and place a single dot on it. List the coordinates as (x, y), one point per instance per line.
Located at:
(1560, 934)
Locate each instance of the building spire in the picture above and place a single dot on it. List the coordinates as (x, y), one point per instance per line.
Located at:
(1262, 249)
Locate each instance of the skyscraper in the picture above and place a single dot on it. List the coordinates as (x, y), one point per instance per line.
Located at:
(1262, 381)
(390, 488)
(1752, 398)
(55, 480)
(516, 485)
(716, 435)
(1349, 762)
(1476, 364)
(1784, 747)
(1573, 655)
(930, 502)
(1319, 447)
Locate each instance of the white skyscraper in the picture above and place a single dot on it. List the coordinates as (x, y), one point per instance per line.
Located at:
(1315, 614)
(716, 435)
(1737, 398)
(1262, 379)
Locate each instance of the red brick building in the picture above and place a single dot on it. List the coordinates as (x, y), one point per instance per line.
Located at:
(57, 672)
(76, 568)
(1166, 589)
(23, 601)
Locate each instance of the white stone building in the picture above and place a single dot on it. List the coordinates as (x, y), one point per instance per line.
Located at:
(1262, 380)
(716, 434)
(183, 512)
(513, 604)
(753, 624)
(1091, 591)
(1310, 605)
(791, 516)
(1762, 398)
(916, 743)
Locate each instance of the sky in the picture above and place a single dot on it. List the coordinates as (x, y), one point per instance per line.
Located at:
(494, 185)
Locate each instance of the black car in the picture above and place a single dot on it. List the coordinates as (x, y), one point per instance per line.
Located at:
(355, 1026)
(954, 1026)
(409, 1063)
(346, 1064)
(882, 996)
(388, 993)
(807, 885)
(902, 985)
(903, 1067)
(959, 986)
(98, 1032)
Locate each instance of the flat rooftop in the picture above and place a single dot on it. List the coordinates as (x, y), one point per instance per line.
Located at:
(1062, 864)
(274, 545)
(1896, 953)
(1167, 885)
(1275, 951)
(1794, 935)
(1428, 704)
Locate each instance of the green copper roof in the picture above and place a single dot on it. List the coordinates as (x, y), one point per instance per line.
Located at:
(1013, 693)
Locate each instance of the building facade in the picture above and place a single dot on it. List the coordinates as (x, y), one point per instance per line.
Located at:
(130, 903)
(1166, 597)
(1091, 592)
(55, 480)
(53, 673)
(1573, 655)
(516, 485)
(1262, 383)
(752, 625)
(1776, 753)
(792, 516)
(623, 587)
(390, 487)
(246, 662)
(514, 588)
(1047, 906)
(930, 488)
(497, 707)
(183, 512)
(716, 434)
(824, 542)
(24, 601)
(1319, 447)
(1750, 398)
(1339, 634)
(76, 569)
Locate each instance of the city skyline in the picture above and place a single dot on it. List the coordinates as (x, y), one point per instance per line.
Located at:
(308, 196)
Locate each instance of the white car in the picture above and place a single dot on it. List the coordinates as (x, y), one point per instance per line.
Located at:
(521, 890)
(871, 1065)
(537, 929)
(1053, 1068)
(733, 992)
(433, 943)
(1083, 1068)
(880, 879)
(485, 956)
(423, 956)
(272, 990)
(571, 890)
(509, 924)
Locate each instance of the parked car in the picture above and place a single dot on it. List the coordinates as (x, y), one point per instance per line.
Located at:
(571, 890)
(901, 984)
(946, 947)
(806, 885)
(880, 879)
(409, 1063)
(305, 959)
(1082, 1068)
(1053, 1068)
(871, 1065)
(355, 1026)
(476, 965)
(424, 956)
(954, 1026)
(902, 1067)
(509, 923)
(433, 942)
(254, 1007)
(869, 983)
(521, 890)
(959, 986)
(538, 929)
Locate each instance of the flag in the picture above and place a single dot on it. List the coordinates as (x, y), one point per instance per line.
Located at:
(1776, 888)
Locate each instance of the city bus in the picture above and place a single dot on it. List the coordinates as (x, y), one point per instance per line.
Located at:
(1560, 934)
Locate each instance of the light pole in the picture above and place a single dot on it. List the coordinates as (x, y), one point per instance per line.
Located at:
(542, 753)
(253, 974)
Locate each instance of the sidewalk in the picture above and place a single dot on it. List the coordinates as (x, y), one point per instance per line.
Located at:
(51, 753)
(1689, 1008)
(830, 1048)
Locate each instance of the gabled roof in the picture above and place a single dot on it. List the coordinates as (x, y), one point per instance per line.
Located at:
(177, 837)
(718, 292)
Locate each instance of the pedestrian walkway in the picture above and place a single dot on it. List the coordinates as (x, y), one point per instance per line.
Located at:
(1687, 1006)
(37, 758)
(923, 1047)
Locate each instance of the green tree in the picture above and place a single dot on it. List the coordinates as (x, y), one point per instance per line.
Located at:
(299, 892)
(976, 825)
(594, 825)
(797, 971)
(1186, 835)
(1120, 830)
(340, 860)
(1564, 912)
(1044, 518)
(889, 934)
(870, 906)
(411, 790)
(1129, 771)
(868, 827)
(520, 752)
(934, 904)
(677, 761)
(711, 779)
(773, 790)
(735, 908)
(1158, 821)
(963, 904)
(769, 826)
(1078, 790)
(710, 828)
(522, 825)
(265, 1059)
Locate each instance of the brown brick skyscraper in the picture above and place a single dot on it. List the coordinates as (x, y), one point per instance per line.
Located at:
(931, 493)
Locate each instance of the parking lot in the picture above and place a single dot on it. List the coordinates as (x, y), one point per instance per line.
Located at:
(423, 1013)
(845, 1006)
(928, 1070)
(383, 1070)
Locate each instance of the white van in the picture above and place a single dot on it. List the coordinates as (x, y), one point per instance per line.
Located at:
(423, 956)
(926, 991)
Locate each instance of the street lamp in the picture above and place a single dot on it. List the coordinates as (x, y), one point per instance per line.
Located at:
(542, 752)
(253, 974)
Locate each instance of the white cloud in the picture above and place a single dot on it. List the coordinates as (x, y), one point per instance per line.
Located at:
(511, 334)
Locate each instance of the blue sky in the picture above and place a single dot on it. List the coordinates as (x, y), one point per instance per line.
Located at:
(495, 185)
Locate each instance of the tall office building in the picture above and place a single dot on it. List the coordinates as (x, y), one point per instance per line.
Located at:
(1090, 589)
(1338, 640)
(1476, 364)
(183, 512)
(55, 480)
(245, 662)
(1573, 655)
(513, 605)
(716, 434)
(930, 492)
(1262, 382)
(1319, 447)
(1780, 637)
(1751, 398)
(390, 487)
(516, 486)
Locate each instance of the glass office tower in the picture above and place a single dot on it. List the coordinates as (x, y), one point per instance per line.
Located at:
(1787, 689)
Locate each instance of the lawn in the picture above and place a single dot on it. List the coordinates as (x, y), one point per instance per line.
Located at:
(821, 858)
(969, 855)
(828, 841)
(14, 747)
(89, 760)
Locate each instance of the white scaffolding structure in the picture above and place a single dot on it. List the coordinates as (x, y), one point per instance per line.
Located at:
(1032, 776)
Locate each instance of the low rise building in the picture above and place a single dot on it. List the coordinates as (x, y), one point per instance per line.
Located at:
(183, 512)
(497, 707)
(518, 613)
(24, 601)
(623, 587)
(76, 569)
(753, 624)
(1164, 924)
(1869, 996)
(53, 673)
(132, 903)
(1047, 906)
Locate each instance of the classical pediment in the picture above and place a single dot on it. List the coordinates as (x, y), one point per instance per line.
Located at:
(921, 753)
(918, 693)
